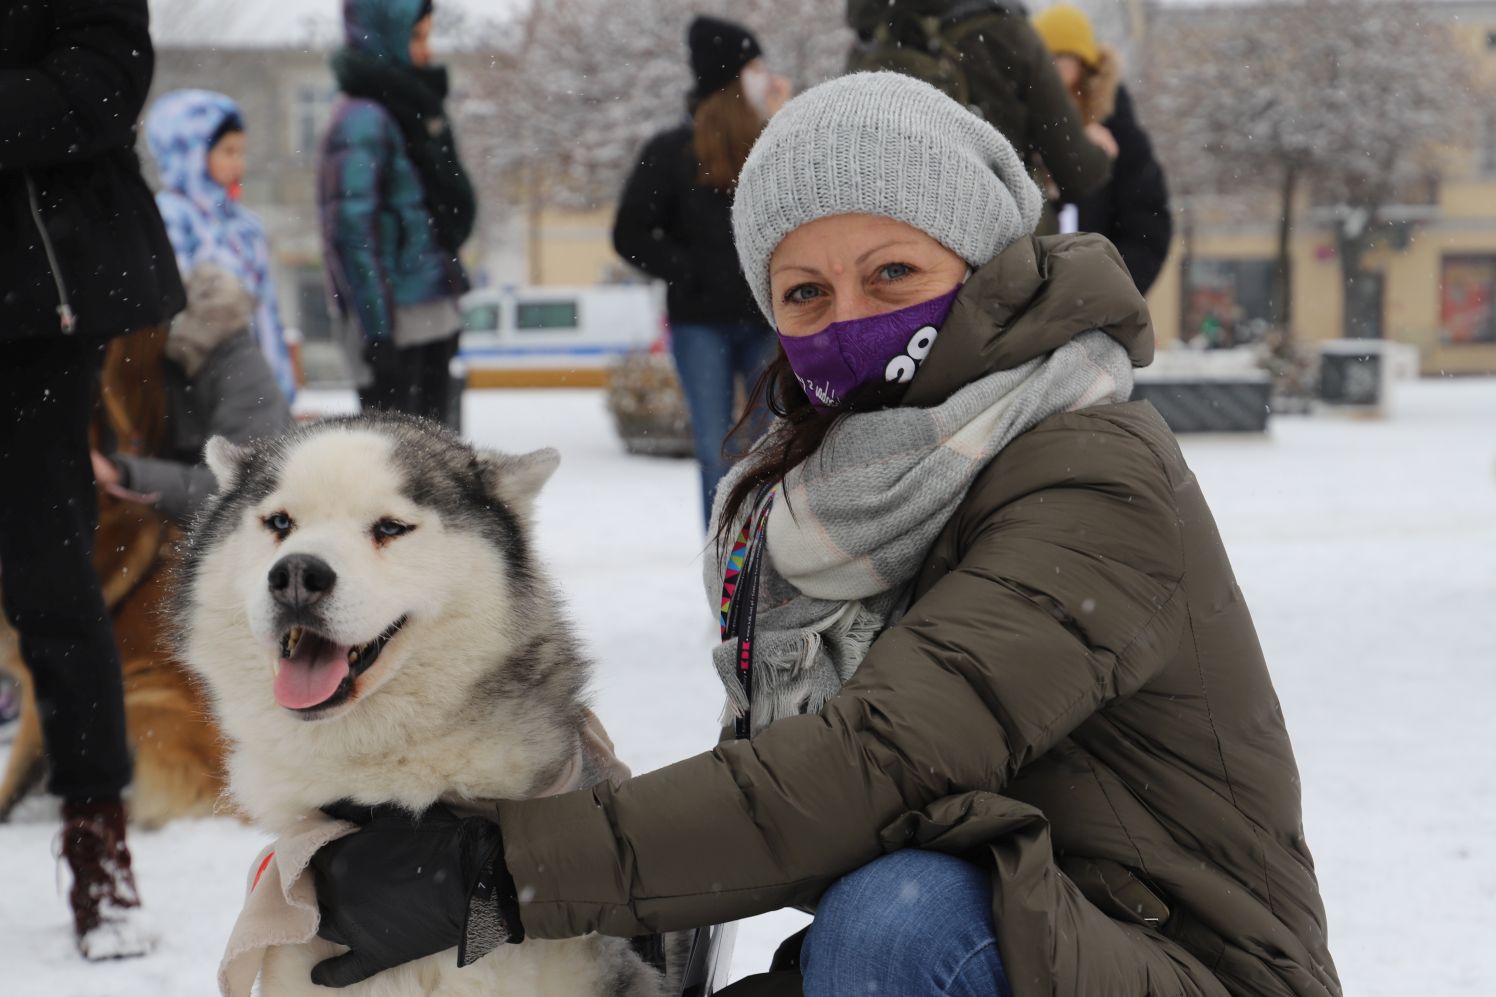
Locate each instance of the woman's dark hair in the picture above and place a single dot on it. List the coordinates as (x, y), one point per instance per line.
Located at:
(229, 125)
(802, 430)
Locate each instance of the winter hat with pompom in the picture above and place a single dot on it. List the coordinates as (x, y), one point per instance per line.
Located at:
(881, 144)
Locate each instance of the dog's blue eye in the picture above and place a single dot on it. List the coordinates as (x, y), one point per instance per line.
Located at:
(387, 528)
(279, 522)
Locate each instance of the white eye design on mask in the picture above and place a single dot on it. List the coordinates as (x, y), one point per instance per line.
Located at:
(900, 369)
(919, 346)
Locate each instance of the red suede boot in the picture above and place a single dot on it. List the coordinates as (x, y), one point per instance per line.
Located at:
(107, 918)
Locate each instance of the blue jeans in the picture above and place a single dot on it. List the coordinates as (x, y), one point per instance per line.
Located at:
(709, 360)
(910, 924)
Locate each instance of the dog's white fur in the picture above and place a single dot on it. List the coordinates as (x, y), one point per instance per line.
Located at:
(398, 740)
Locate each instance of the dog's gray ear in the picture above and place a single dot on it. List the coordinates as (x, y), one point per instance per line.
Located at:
(226, 460)
(516, 480)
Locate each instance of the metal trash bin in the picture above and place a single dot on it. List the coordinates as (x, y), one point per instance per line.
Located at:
(1355, 374)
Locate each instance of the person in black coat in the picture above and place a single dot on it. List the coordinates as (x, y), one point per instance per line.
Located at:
(83, 257)
(1132, 210)
(675, 223)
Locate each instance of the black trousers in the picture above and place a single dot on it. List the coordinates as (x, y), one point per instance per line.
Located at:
(48, 514)
(412, 379)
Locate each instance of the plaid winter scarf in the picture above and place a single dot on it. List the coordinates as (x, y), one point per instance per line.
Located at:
(851, 526)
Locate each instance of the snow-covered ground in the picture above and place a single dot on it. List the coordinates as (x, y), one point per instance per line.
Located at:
(1367, 549)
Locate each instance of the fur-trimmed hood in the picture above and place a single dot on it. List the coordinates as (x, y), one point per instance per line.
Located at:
(1098, 96)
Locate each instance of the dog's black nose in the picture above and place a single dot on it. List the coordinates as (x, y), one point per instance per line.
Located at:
(300, 580)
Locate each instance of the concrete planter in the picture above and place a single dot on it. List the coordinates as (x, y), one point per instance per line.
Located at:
(1210, 406)
(1196, 391)
(648, 408)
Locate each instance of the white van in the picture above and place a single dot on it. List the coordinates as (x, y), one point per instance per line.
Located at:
(557, 329)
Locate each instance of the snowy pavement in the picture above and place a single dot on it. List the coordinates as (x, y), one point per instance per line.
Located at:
(1366, 548)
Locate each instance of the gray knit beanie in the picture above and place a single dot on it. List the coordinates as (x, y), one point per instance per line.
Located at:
(881, 144)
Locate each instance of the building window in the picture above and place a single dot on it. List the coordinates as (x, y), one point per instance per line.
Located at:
(310, 108)
(1225, 297)
(1467, 294)
(1485, 155)
(546, 315)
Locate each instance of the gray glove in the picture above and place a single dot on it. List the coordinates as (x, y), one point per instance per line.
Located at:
(218, 307)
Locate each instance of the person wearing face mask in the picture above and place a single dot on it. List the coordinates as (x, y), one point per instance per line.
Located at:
(396, 205)
(674, 223)
(197, 139)
(998, 714)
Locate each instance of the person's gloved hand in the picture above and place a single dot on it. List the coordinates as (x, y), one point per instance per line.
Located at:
(404, 886)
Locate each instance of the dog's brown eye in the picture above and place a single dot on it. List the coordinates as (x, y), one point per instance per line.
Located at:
(279, 523)
(388, 529)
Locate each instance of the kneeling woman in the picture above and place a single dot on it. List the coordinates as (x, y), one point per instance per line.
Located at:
(1010, 729)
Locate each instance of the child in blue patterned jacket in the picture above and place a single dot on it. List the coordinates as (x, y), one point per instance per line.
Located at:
(197, 138)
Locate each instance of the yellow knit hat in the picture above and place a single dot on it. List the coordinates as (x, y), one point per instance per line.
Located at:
(1067, 30)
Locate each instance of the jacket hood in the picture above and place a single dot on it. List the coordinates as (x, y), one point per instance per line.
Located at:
(381, 28)
(1031, 299)
(177, 129)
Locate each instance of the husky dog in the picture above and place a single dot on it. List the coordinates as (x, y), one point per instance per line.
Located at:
(363, 603)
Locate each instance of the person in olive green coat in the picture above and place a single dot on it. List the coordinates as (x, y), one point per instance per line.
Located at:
(987, 54)
(1006, 725)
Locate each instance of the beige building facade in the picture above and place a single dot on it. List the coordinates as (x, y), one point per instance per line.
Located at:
(1437, 271)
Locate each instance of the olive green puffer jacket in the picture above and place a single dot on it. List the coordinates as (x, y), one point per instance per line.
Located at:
(1076, 699)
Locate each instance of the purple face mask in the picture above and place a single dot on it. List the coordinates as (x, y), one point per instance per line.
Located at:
(879, 349)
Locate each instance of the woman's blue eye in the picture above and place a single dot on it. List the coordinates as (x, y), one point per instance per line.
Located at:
(802, 293)
(895, 271)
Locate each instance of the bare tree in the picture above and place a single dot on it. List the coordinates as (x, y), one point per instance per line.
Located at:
(1398, 89)
(579, 85)
(1345, 98)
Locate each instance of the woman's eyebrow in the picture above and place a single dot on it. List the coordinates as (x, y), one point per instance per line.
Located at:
(858, 262)
(879, 248)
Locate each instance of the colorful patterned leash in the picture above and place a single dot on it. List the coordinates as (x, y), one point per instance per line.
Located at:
(740, 598)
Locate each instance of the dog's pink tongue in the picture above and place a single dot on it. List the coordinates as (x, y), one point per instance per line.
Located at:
(302, 684)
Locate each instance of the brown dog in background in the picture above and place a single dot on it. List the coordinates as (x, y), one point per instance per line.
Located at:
(178, 754)
(177, 749)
